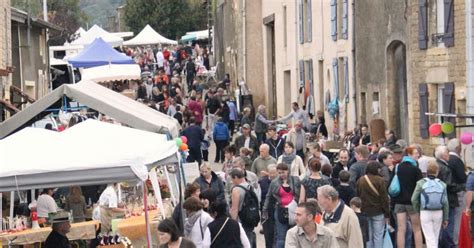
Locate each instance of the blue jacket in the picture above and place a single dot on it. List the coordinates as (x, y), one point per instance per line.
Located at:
(221, 131)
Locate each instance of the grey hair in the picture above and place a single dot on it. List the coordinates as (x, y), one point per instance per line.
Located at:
(440, 150)
(328, 191)
(402, 143)
(240, 161)
(266, 146)
(453, 144)
(271, 167)
(261, 108)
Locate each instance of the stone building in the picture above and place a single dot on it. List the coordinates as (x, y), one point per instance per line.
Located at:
(437, 64)
(5, 58)
(308, 58)
(381, 41)
(238, 44)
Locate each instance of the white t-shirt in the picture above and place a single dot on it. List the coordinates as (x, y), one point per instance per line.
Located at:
(109, 198)
(423, 163)
(247, 142)
(45, 205)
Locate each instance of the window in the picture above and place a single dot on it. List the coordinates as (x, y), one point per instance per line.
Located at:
(440, 101)
(305, 21)
(439, 22)
(342, 78)
(339, 18)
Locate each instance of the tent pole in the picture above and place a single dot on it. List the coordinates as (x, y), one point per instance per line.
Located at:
(147, 222)
(12, 204)
(169, 183)
(1, 211)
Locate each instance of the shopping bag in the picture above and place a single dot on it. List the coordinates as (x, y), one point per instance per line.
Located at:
(387, 241)
(445, 241)
(465, 239)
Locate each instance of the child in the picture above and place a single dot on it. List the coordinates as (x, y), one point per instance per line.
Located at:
(345, 191)
(356, 204)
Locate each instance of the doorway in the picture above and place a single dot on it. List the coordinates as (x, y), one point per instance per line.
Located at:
(271, 67)
(397, 88)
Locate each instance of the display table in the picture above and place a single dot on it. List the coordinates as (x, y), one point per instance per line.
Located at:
(82, 230)
(134, 227)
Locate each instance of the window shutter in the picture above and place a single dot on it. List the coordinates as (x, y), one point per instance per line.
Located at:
(345, 19)
(309, 12)
(300, 20)
(424, 119)
(301, 62)
(336, 78)
(448, 37)
(334, 20)
(449, 104)
(346, 79)
(422, 24)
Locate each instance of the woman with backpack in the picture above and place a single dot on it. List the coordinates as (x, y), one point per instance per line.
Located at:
(406, 175)
(284, 193)
(430, 199)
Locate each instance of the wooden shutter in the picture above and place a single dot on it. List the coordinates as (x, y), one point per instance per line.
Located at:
(301, 20)
(448, 37)
(449, 104)
(422, 24)
(334, 20)
(346, 79)
(345, 19)
(309, 15)
(301, 62)
(335, 67)
(424, 119)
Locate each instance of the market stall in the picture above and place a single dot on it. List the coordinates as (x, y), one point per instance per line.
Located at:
(99, 53)
(102, 99)
(89, 153)
(97, 32)
(148, 36)
(111, 72)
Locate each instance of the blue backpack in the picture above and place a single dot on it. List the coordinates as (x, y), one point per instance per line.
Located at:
(394, 188)
(432, 195)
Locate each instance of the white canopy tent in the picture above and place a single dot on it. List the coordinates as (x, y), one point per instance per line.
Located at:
(98, 32)
(91, 152)
(148, 36)
(112, 72)
(102, 99)
(79, 32)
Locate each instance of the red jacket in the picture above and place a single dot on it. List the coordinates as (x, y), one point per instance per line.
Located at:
(196, 109)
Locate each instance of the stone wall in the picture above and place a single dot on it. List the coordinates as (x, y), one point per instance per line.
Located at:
(434, 66)
(5, 47)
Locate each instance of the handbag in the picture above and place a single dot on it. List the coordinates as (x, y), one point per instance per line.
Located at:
(394, 188)
(387, 241)
(445, 240)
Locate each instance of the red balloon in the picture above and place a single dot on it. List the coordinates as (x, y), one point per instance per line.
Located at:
(184, 147)
(184, 139)
(435, 129)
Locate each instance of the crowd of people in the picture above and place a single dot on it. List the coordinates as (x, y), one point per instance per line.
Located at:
(342, 200)
(285, 184)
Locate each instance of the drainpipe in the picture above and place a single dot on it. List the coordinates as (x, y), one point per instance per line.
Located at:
(297, 68)
(244, 40)
(469, 62)
(354, 85)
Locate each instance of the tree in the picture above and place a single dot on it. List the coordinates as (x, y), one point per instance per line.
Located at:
(170, 18)
(63, 13)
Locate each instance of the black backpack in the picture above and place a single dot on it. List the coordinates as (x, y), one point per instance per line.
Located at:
(249, 215)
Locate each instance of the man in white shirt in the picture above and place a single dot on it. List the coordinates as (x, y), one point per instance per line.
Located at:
(160, 59)
(46, 203)
(297, 115)
(109, 207)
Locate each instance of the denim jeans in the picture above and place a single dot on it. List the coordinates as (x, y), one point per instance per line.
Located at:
(269, 232)
(281, 230)
(376, 230)
(251, 236)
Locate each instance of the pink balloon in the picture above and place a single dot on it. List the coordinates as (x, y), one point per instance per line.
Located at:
(184, 139)
(466, 138)
(435, 129)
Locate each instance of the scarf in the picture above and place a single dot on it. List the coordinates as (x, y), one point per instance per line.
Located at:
(409, 160)
(288, 159)
(189, 224)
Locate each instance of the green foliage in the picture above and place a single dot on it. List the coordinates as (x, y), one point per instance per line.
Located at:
(170, 18)
(63, 13)
(99, 10)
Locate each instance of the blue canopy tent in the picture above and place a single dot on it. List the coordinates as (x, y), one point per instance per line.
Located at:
(99, 53)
